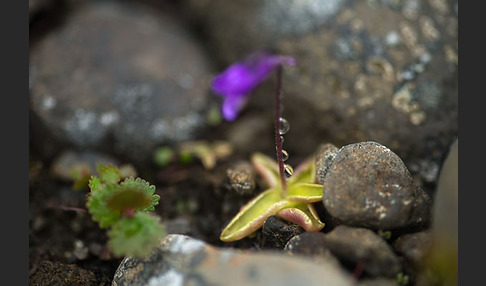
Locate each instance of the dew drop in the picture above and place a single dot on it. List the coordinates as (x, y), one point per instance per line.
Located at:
(285, 155)
(284, 126)
(281, 139)
(288, 170)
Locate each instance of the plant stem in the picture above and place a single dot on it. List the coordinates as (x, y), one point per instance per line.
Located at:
(278, 140)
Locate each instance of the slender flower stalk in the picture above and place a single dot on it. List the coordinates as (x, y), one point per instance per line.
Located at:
(278, 138)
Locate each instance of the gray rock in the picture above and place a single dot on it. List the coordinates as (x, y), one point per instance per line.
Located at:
(182, 260)
(368, 185)
(361, 245)
(380, 70)
(116, 76)
(311, 244)
(37, 6)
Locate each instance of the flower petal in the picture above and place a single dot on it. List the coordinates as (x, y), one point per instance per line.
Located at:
(239, 79)
(232, 106)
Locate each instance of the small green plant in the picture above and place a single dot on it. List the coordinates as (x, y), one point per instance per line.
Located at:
(292, 203)
(206, 152)
(402, 279)
(124, 206)
(386, 234)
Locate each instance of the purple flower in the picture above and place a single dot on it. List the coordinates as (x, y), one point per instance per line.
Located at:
(238, 80)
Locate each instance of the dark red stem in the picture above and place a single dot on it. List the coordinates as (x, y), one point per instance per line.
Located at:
(359, 268)
(278, 139)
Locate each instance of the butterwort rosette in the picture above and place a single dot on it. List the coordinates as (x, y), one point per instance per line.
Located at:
(237, 82)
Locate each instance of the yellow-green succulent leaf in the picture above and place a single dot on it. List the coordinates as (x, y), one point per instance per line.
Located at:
(305, 172)
(252, 215)
(304, 192)
(267, 168)
(302, 214)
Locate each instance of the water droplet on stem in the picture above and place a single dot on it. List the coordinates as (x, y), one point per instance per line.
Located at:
(285, 155)
(289, 171)
(284, 126)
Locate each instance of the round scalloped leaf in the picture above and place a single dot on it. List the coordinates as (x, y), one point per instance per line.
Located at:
(144, 187)
(96, 204)
(135, 236)
(129, 198)
(94, 183)
(109, 174)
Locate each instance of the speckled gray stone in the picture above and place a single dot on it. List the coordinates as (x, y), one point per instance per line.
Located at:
(368, 185)
(325, 155)
(116, 76)
(182, 260)
(366, 70)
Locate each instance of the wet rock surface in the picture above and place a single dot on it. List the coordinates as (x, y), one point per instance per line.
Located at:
(181, 260)
(380, 70)
(117, 76)
(368, 185)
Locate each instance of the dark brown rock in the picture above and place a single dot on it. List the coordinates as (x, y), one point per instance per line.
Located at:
(241, 178)
(277, 232)
(361, 245)
(414, 247)
(116, 76)
(311, 244)
(368, 185)
(56, 273)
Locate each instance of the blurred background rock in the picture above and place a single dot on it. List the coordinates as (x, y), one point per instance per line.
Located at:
(126, 76)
